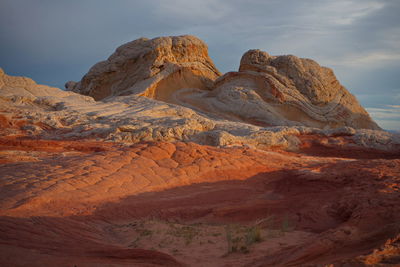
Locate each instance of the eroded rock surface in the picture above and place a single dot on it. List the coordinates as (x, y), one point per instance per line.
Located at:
(154, 68)
(281, 90)
(40, 111)
(267, 90)
(149, 204)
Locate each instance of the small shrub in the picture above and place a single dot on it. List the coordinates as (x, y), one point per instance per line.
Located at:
(185, 232)
(240, 238)
(253, 235)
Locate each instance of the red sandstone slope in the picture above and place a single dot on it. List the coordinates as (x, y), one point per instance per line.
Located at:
(88, 207)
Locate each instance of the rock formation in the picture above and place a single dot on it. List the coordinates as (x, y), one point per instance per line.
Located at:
(282, 90)
(267, 90)
(154, 68)
(41, 111)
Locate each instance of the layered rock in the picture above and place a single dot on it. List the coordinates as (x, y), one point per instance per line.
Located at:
(267, 90)
(40, 111)
(154, 68)
(282, 90)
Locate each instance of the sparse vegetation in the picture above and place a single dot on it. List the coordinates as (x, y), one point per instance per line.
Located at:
(253, 235)
(228, 232)
(144, 232)
(186, 232)
(241, 238)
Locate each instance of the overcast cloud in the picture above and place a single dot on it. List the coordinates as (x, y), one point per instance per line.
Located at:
(53, 41)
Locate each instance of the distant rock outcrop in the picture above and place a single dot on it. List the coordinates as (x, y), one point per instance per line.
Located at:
(154, 68)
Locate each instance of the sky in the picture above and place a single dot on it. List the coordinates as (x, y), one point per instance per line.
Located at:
(54, 41)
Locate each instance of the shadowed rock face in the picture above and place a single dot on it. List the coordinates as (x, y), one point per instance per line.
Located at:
(142, 66)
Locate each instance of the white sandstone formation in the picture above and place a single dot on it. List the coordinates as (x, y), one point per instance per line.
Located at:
(266, 91)
(154, 68)
(50, 113)
(281, 90)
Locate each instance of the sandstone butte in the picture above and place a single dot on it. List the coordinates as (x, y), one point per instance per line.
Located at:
(156, 159)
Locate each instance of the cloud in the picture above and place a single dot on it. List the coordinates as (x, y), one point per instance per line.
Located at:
(209, 10)
(347, 12)
(387, 117)
(56, 41)
(391, 125)
(376, 58)
(391, 112)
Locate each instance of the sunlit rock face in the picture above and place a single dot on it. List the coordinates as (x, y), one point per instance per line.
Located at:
(154, 68)
(267, 90)
(282, 90)
(308, 92)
